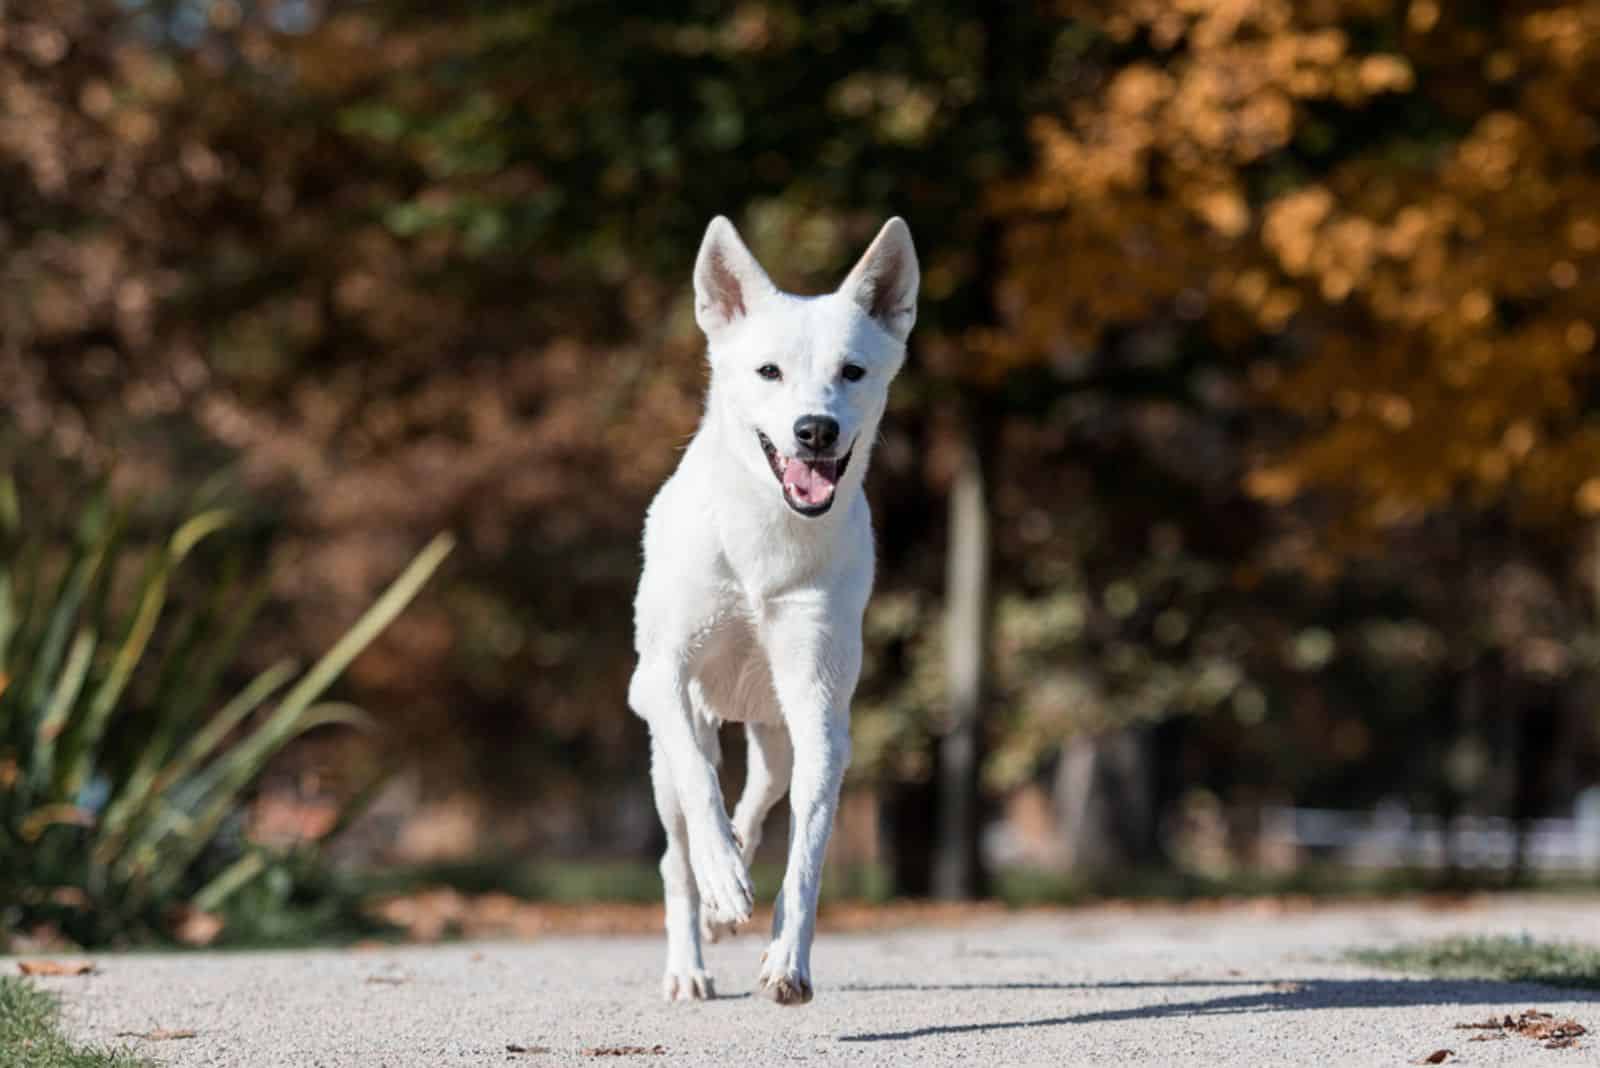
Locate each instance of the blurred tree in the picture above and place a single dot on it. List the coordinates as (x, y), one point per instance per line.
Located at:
(1358, 198)
(569, 129)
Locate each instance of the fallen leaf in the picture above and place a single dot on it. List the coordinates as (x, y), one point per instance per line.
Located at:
(194, 927)
(1497, 1036)
(1532, 1023)
(512, 1047)
(624, 1051)
(160, 1034)
(389, 980)
(55, 967)
(1438, 1056)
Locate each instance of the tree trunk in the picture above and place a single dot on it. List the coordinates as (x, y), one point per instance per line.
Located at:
(957, 863)
(1110, 797)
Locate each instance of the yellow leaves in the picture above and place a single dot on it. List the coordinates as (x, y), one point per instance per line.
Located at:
(1384, 74)
(1138, 90)
(1492, 153)
(1275, 485)
(1476, 307)
(1224, 210)
(1289, 228)
(1422, 16)
(1445, 290)
(1583, 234)
(1588, 497)
(1394, 410)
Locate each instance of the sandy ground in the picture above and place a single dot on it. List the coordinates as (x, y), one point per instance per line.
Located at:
(1244, 985)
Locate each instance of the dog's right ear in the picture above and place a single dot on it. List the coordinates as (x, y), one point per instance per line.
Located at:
(727, 279)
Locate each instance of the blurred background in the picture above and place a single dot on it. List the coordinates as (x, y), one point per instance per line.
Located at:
(1238, 510)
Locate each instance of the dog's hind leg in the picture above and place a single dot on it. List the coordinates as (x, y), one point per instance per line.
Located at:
(767, 779)
(685, 978)
(680, 745)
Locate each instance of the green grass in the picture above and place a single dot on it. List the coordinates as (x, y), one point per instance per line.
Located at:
(29, 1037)
(1522, 960)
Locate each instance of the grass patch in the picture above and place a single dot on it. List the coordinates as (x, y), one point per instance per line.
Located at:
(1519, 960)
(29, 1037)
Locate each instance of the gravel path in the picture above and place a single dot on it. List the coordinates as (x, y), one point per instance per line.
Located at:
(1244, 985)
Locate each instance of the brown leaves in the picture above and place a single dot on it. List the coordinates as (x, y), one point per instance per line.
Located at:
(193, 927)
(1539, 1026)
(55, 967)
(624, 1051)
(1438, 1056)
(160, 1034)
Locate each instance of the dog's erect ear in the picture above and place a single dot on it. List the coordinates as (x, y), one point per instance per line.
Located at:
(885, 282)
(727, 279)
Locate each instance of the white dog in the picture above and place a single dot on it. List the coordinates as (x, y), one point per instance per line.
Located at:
(757, 566)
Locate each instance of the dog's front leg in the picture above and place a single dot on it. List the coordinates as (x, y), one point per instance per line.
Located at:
(814, 674)
(660, 693)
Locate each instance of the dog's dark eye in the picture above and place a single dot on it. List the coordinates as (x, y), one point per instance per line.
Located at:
(853, 372)
(769, 371)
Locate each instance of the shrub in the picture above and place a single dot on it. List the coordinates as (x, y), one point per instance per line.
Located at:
(124, 767)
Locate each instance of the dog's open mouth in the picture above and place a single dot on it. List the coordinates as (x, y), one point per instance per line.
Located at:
(808, 482)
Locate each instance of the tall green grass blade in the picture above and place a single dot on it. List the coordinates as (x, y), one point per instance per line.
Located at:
(10, 508)
(239, 769)
(185, 694)
(151, 599)
(82, 568)
(136, 815)
(68, 686)
(294, 716)
(233, 878)
(371, 624)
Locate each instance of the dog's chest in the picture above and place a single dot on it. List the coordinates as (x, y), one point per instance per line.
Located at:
(732, 675)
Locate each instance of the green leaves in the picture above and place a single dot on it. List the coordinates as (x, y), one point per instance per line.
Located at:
(119, 771)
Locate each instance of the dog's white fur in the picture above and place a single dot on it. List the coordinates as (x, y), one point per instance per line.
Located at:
(749, 610)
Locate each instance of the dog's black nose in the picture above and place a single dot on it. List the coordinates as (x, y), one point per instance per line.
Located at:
(816, 431)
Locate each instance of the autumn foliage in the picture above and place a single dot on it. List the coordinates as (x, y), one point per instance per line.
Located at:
(1280, 318)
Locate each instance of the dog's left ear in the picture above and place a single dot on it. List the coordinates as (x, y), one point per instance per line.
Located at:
(885, 282)
(727, 278)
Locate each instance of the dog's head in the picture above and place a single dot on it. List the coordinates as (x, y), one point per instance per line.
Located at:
(800, 383)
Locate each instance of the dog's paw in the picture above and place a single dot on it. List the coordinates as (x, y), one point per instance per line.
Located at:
(691, 984)
(782, 979)
(724, 880)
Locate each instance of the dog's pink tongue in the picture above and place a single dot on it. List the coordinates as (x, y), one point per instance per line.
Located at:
(806, 483)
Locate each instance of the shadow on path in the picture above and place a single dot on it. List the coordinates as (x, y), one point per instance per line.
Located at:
(1265, 995)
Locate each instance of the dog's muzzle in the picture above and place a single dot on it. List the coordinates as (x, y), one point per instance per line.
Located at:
(808, 482)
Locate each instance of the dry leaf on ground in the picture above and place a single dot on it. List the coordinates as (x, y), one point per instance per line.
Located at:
(389, 980)
(1438, 1056)
(1532, 1023)
(55, 967)
(624, 1051)
(160, 1034)
(512, 1047)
